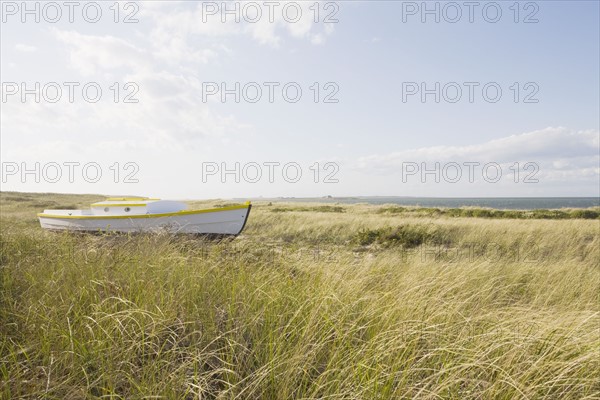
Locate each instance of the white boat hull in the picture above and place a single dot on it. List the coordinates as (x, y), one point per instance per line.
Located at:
(224, 221)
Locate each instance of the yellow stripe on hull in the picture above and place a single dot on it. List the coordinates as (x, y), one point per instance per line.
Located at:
(171, 214)
(129, 199)
(119, 205)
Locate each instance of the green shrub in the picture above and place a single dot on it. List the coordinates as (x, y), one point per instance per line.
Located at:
(391, 210)
(481, 213)
(334, 209)
(407, 236)
(585, 214)
(365, 237)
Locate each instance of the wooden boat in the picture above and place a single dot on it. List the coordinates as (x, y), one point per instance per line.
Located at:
(140, 214)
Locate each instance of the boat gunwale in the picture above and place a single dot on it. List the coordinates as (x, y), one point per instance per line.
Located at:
(130, 199)
(159, 215)
(119, 205)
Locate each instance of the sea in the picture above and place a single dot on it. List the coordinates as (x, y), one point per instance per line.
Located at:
(502, 203)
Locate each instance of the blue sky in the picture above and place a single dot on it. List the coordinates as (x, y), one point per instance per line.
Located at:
(370, 139)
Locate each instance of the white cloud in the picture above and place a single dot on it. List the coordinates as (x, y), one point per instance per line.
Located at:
(549, 144)
(562, 156)
(176, 27)
(90, 54)
(169, 114)
(317, 39)
(163, 62)
(25, 48)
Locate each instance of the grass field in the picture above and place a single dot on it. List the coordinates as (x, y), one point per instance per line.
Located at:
(311, 301)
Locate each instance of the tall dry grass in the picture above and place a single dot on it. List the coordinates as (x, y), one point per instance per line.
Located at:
(356, 304)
